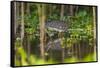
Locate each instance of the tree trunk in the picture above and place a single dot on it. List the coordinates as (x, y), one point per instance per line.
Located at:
(28, 9)
(94, 23)
(71, 10)
(50, 9)
(28, 35)
(41, 12)
(61, 34)
(62, 12)
(22, 23)
(15, 57)
(22, 28)
(76, 48)
(15, 20)
(16, 16)
(76, 10)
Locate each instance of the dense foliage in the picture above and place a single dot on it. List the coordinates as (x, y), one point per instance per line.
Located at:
(77, 43)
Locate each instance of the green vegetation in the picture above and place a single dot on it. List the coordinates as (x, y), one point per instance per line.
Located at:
(35, 44)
